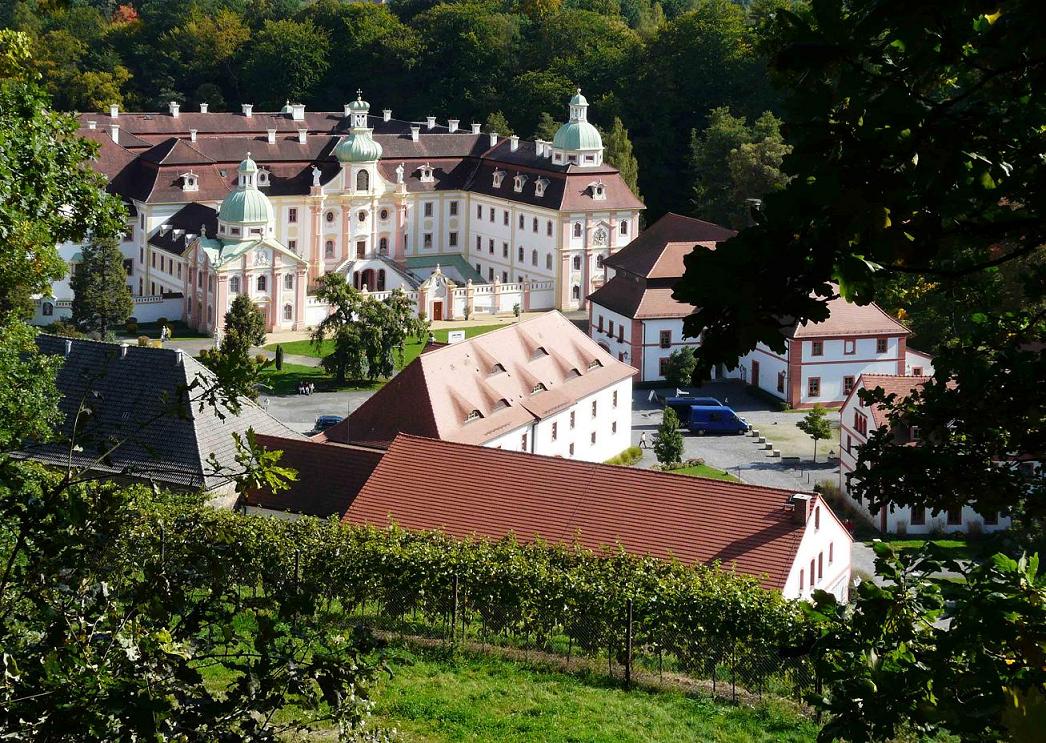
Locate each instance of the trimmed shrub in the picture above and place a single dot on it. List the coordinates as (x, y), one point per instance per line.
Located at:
(161, 321)
(143, 341)
(628, 457)
(131, 327)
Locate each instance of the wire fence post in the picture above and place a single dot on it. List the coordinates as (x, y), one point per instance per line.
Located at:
(454, 608)
(628, 644)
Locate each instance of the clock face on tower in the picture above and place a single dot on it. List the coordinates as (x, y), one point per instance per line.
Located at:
(601, 236)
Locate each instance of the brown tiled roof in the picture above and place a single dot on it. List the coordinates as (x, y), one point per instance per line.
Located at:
(472, 491)
(329, 476)
(892, 384)
(436, 394)
(848, 319)
(658, 251)
(629, 298)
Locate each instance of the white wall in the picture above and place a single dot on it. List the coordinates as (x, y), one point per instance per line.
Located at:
(824, 539)
(770, 364)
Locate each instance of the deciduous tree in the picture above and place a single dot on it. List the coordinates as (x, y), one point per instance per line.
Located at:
(815, 424)
(679, 369)
(668, 442)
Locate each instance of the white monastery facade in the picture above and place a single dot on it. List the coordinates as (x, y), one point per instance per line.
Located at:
(266, 203)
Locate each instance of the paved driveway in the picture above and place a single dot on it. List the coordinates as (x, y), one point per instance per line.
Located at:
(740, 455)
(301, 411)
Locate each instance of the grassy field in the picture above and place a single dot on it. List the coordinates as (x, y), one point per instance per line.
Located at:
(434, 697)
(703, 470)
(410, 351)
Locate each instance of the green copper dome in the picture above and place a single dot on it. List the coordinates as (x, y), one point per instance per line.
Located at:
(578, 99)
(246, 206)
(248, 165)
(577, 135)
(358, 147)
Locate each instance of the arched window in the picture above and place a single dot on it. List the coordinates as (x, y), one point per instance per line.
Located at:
(48, 309)
(577, 262)
(356, 279)
(599, 261)
(548, 228)
(534, 257)
(234, 285)
(363, 181)
(288, 312)
(381, 280)
(624, 227)
(288, 281)
(576, 292)
(263, 284)
(383, 246)
(577, 229)
(328, 249)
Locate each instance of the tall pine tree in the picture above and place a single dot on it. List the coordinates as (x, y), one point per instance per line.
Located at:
(617, 151)
(101, 297)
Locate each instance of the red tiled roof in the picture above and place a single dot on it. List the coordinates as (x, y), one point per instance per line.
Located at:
(629, 298)
(892, 384)
(658, 251)
(329, 476)
(848, 319)
(436, 393)
(466, 491)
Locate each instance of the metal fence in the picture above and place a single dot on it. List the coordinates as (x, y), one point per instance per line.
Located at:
(627, 646)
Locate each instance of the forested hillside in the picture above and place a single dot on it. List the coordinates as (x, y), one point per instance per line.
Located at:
(661, 67)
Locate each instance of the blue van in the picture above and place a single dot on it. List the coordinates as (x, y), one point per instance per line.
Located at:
(715, 419)
(682, 405)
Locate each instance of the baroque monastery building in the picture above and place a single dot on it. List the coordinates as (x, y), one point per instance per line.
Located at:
(266, 203)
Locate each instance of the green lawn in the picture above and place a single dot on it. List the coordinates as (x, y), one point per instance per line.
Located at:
(180, 331)
(285, 381)
(441, 698)
(960, 549)
(410, 352)
(703, 470)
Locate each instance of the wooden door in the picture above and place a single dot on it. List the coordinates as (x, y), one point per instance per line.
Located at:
(437, 310)
(755, 373)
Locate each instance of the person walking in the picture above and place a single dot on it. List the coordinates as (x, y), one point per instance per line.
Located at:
(642, 440)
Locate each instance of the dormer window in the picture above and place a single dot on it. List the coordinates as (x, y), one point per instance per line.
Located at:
(190, 181)
(425, 174)
(496, 369)
(499, 176)
(518, 182)
(502, 403)
(263, 177)
(595, 364)
(473, 415)
(539, 187)
(599, 191)
(539, 387)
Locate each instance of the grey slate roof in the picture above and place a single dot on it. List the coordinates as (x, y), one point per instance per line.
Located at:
(140, 397)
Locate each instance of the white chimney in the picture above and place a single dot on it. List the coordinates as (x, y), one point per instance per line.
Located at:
(272, 135)
(430, 122)
(302, 134)
(345, 110)
(203, 108)
(493, 138)
(114, 132)
(68, 347)
(178, 356)
(123, 350)
(513, 143)
(192, 135)
(452, 124)
(298, 112)
(114, 111)
(475, 128)
(386, 115)
(414, 132)
(92, 124)
(174, 108)
(247, 108)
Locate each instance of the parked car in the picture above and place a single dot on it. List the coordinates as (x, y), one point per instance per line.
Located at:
(326, 421)
(714, 419)
(682, 405)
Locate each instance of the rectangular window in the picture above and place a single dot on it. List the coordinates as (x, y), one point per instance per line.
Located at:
(571, 450)
(292, 215)
(801, 586)
(817, 348)
(490, 274)
(594, 408)
(913, 433)
(453, 208)
(813, 387)
(179, 270)
(662, 366)
(573, 415)
(491, 214)
(452, 239)
(293, 245)
(599, 328)
(917, 371)
(428, 208)
(955, 516)
(427, 240)
(555, 430)
(479, 243)
(154, 260)
(849, 442)
(918, 515)
(820, 565)
(613, 427)
(521, 221)
(490, 246)
(848, 385)
(504, 250)
(479, 211)
(504, 219)
(535, 224)
(610, 328)
(666, 338)
(613, 399)
(812, 573)
(524, 443)
(141, 255)
(780, 381)
(880, 345)
(849, 346)
(592, 437)
(831, 552)
(504, 277)
(621, 332)
(861, 423)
